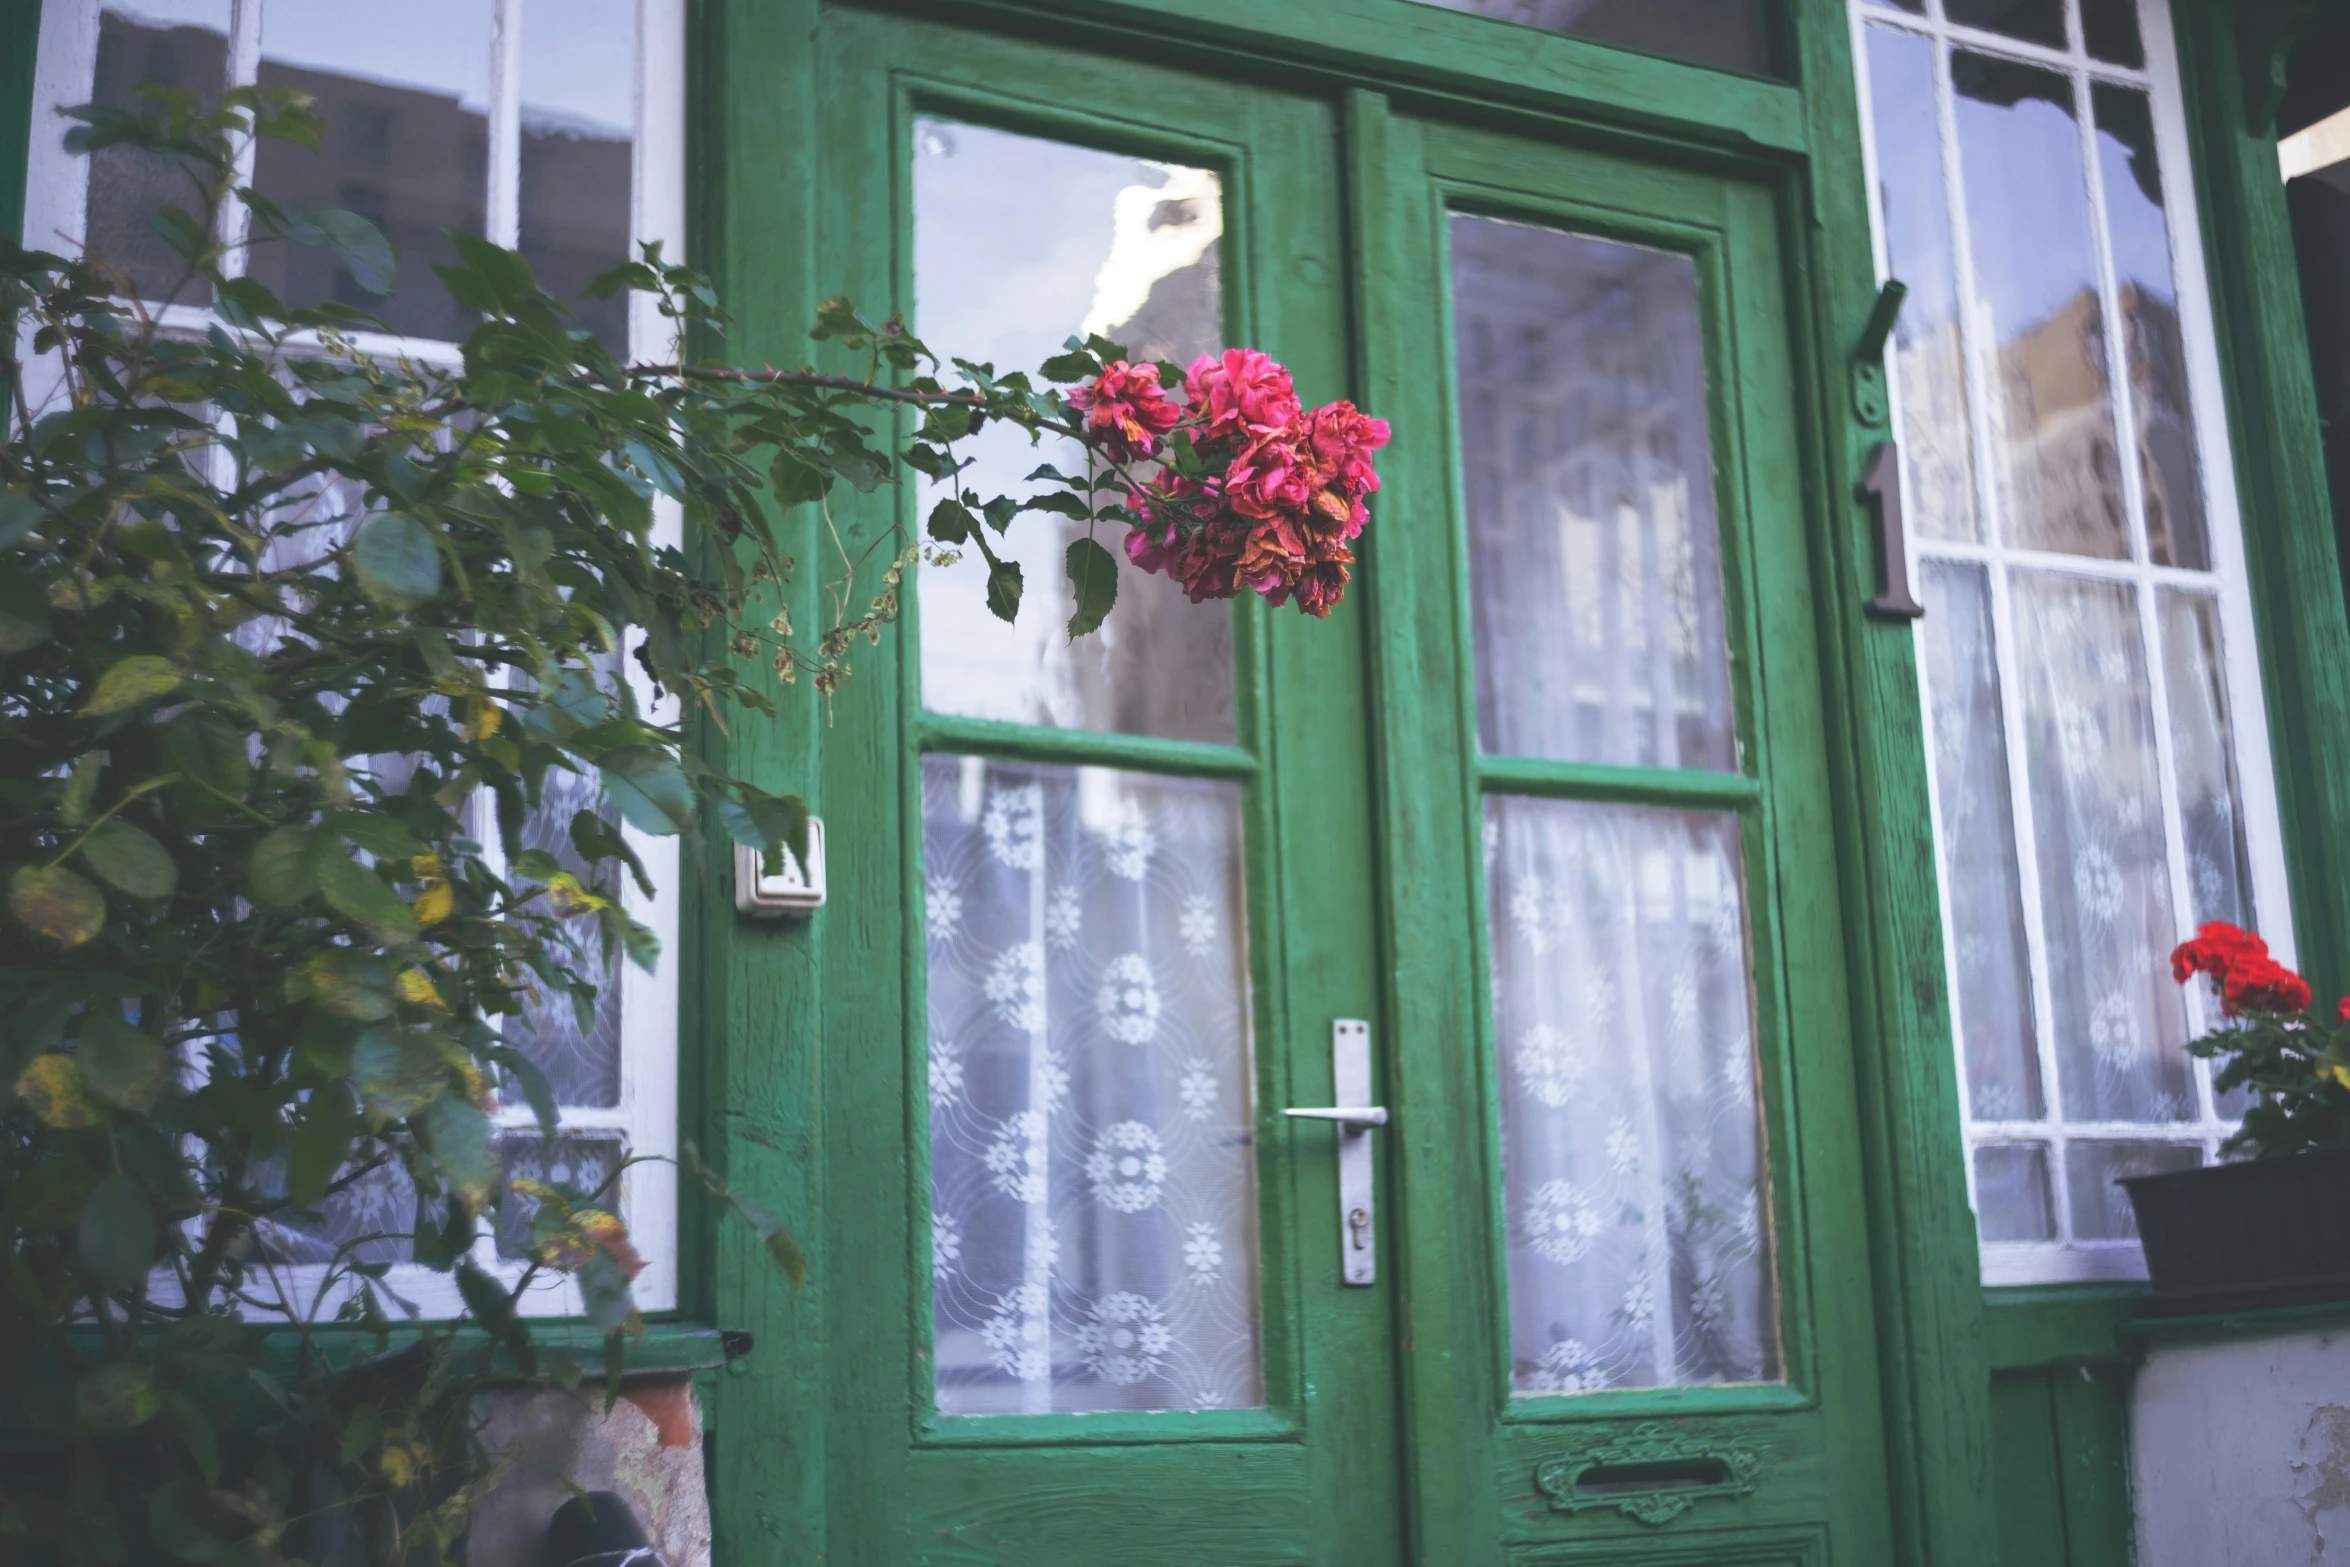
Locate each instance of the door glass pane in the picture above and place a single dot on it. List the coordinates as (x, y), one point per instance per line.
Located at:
(2039, 21)
(2105, 888)
(2053, 447)
(579, 150)
(2203, 751)
(1018, 244)
(1092, 1180)
(175, 43)
(1929, 354)
(1587, 467)
(1634, 1192)
(405, 93)
(1732, 35)
(1981, 879)
(2140, 237)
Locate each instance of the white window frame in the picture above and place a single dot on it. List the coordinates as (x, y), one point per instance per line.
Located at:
(56, 197)
(2067, 1259)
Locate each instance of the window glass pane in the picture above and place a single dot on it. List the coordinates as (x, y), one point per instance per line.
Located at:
(2097, 811)
(2101, 1209)
(1635, 1197)
(1993, 974)
(1733, 35)
(1077, 241)
(405, 94)
(2011, 1193)
(1587, 469)
(1092, 1184)
(2203, 753)
(2176, 534)
(578, 150)
(2110, 29)
(1929, 357)
(580, 1055)
(1914, 7)
(2039, 21)
(581, 1160)
(2053, 444)
(172, 43)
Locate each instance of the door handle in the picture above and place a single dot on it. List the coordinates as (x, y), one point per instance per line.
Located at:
(1354, 1115)
(1354, 1118)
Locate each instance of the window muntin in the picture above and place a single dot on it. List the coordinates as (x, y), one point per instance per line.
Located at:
(2098, 745)
(620, 84)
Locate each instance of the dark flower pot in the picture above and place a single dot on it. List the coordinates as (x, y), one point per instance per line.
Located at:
(2239, 1237)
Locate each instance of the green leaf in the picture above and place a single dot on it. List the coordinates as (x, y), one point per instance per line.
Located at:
(603, 1289)
(116, 1239)
(1060, 504)
(131, 860)
(385, 837)
(1077, 365)
(56, 903)
(142, 677)
(1003, 589)
(278, 872)
(458, 1133)
(122, 1065)
(357, 243)
(397, 1072)
(951, 522)
(398, 562)
(1093, 573)
(761, 821)
(24, 611)
(320, 1145)
(193, 1430)
(795, 480)
(648, 788)
(349, 984)
(208, 750)
(209, 1349)
(19, 515)
(358, 894)
(116, 1397)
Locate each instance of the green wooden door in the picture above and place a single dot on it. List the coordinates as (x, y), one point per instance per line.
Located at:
(1078, 1293)
(1637, 1286)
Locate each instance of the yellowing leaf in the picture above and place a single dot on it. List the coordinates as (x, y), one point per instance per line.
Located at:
(52, 1086)
(60, 905)
(482, 718)
(138, 678)
(436, 903)
(427, 867)
(2339, 1073)
(416, 987)
(570, 898)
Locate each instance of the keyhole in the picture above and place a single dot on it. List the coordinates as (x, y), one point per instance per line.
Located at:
(1357, 1221)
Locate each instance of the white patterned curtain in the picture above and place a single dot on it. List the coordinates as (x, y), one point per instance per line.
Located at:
(1093, 1224)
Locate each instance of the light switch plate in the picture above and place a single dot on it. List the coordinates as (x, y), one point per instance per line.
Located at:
(799, 890)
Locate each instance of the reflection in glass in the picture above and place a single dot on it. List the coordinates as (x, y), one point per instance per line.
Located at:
(1092, 1185)
(1968, 737)
(2011, 1193)
(578, 150)
(182, 45)
(2053, 443)
(2105, 890)
(1731, 35)
(2039, 21)
(405, 94)
(1938, 501)
(2110, 30)
(1587, 471)
(1077, 241)
(1636, 1204)
(2101, 1209)
(2139, 236)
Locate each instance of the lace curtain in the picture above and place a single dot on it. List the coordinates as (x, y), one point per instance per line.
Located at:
(1093, 1225)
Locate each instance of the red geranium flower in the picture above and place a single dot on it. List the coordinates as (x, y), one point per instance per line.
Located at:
(2249, 980)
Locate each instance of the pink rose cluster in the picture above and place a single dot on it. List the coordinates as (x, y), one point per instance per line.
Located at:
(1286, 486)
